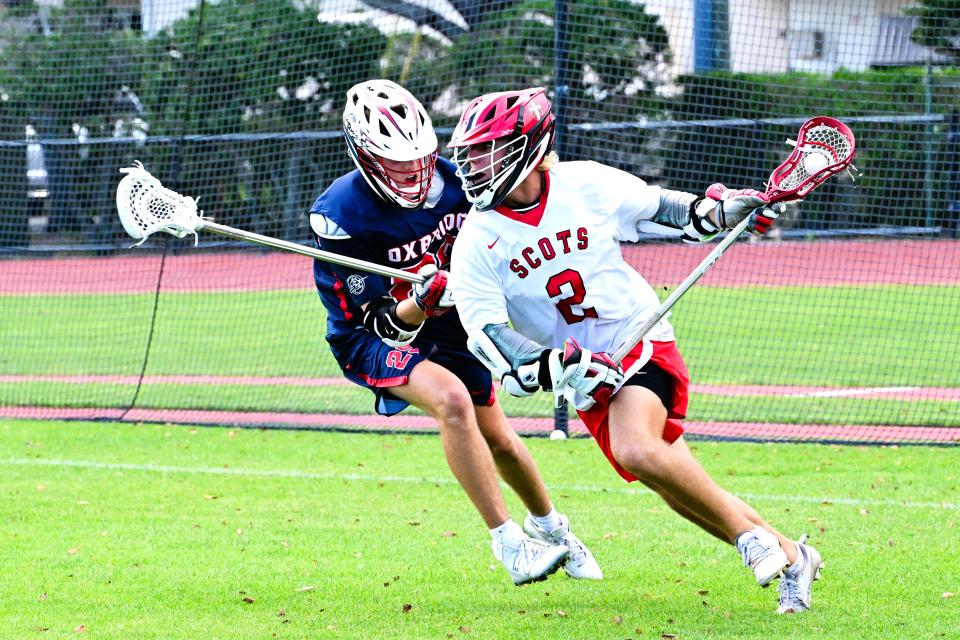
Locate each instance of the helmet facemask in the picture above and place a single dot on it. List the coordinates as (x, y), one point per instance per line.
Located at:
(405, 183)
(486, 170)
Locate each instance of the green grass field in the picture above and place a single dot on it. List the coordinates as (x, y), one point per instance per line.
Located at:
(828, 336)
(147, 531)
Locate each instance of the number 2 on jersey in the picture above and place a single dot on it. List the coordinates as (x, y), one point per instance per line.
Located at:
(565, 305)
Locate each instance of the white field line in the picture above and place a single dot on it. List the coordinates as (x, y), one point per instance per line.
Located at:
(306, 475)
(854, 391)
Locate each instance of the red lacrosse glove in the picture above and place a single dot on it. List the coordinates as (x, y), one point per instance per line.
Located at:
(432, 296)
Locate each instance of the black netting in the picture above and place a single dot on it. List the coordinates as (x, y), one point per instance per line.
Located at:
(845, 326)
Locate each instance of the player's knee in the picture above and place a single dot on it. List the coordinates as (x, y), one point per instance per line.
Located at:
(643, 458)
(452, 405)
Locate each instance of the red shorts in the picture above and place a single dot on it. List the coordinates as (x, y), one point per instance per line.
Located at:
(667, 357)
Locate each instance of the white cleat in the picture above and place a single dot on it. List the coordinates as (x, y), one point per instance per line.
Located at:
(528, 560)
(795, 586)
(580, 562)
(761, 551)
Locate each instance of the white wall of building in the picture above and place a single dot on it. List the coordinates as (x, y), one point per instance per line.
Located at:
(757, 33)
(773, 36)
(850, 30)
(159, 14)
(758, 36)
(676, 16)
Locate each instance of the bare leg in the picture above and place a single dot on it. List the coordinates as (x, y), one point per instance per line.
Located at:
(705, 519)
(706, 525)
(441, 394)
(636, 426)
(513, 460)
(789, 546)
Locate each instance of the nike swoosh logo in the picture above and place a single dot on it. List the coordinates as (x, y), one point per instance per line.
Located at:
(490, 246)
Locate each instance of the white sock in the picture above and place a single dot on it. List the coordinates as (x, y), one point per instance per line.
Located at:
(508, 530)
(548, 522)
(748, 533)
(796, 566)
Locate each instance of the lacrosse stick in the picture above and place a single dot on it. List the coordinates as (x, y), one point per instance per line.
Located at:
(824, 147)
(146, 206)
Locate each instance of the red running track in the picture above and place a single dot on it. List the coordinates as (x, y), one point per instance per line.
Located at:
(821, 263)
(528, 426)
(944, 394)
(767, 263)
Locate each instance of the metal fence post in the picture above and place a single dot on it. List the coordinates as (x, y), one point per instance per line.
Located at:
(952, 224)
(560, 416)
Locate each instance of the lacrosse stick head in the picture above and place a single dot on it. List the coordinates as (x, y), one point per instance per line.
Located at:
(146, 206)
(824, 147)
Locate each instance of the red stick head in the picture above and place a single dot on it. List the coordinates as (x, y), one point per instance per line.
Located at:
(825, 146)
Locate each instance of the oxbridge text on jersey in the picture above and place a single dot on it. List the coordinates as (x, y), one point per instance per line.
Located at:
(416, 248)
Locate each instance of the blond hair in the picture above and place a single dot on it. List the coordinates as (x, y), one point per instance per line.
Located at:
(548, 161)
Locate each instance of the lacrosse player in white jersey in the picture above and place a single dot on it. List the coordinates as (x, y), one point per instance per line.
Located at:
(541, 252)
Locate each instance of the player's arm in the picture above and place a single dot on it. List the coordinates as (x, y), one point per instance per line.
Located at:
(523, 366)
(651, 209)
(699, 219)
(513, 359)
(395, 323)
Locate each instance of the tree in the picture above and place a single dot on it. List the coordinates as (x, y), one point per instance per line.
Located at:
(258, 66)
(71, 72)
(242, 67)
(617, 57)
(72, 78)
(938, 26)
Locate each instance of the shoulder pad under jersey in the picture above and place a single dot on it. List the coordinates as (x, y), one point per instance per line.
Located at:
(327, 228)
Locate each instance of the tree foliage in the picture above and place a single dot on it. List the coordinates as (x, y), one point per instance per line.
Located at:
(616, 55)
(938, 26)
(258, 66)
(71, 72)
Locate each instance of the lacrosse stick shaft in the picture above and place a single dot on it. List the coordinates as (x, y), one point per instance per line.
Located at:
(326, 256)
(688, 282)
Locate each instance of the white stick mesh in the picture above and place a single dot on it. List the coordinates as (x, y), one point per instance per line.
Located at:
(821, 139)
(146, 206)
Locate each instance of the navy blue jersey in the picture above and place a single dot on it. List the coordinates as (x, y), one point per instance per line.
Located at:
(349, 219)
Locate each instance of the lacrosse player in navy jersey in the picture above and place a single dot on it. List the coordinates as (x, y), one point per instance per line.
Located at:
(545, 295)
(401, 208)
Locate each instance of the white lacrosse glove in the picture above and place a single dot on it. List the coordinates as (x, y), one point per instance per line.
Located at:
(595, 375)
(731, 206)
(432, 295)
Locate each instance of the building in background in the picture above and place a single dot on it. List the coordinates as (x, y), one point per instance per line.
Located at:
(800, 35)
(795, 35)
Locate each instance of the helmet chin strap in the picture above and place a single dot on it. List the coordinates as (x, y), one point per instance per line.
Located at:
(521, 207)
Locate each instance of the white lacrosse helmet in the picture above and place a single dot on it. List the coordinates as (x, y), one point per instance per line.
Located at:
(391, 140)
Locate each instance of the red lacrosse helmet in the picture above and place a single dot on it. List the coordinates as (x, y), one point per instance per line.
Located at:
(500, 139)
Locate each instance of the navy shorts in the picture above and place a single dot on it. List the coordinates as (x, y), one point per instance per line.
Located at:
(368, 362)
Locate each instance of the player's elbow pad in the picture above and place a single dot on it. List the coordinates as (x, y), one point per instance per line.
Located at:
(701, 228)
(380, 318)
(688, 213)
(522, 380)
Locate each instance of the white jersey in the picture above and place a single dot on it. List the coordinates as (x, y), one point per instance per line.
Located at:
(557, 271)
